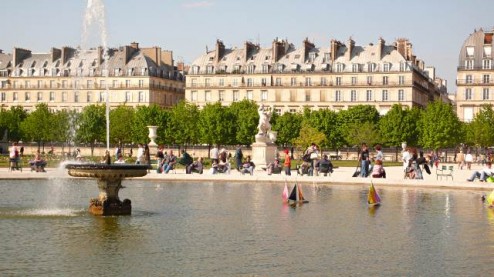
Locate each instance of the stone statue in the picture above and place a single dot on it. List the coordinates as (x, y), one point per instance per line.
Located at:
(264, 118)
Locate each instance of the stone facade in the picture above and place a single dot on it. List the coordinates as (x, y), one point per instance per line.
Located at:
(69, 78)
(335, 77)
(475, 74)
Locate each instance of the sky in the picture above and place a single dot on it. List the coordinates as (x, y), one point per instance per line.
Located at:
(436, 28)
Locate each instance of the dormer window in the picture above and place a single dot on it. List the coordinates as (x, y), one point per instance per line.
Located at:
(279, 67)
(211, 58)
(327, 57)
(209, 69)
(371, 67)
(386, 67)
(486, 64)
(265, 68)
(470, 51)
(487, 51)
(312, 57)
(251, 69)
(356, 67)
(340, 67)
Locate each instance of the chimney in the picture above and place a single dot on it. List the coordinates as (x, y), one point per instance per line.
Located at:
(249, 47)
(277, 49)
(55, 54)
(100, 55)
(307, 47)
(380, 48)
(154, 53)
(335, 46)
(19, 55)
(220, 50)
(129, 51)
(67, 53)
(349, 46)
(401, 47)
(134, 45)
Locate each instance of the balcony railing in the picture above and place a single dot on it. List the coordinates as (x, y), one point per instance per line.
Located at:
(298, 84)
(465, 82)
(92, 87)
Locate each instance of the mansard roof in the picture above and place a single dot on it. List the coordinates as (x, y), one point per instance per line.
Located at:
(476, 42)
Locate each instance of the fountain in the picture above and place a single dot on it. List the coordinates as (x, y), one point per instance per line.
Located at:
(109, 176)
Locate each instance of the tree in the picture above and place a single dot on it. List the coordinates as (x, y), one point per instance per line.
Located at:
(149, 116)
(326, 121)
(481, 130)
(182, 126)
(121, 119)
(399, 125)
(10, 122)
(288, 127)
(63, 129)
(38, 125)
(439, 126)
(308, 135)
(215, 125)
(245, 121)
(360, 114)
(92, 125)
(358, 133)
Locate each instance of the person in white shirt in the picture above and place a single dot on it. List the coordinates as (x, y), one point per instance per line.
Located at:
(140, 155)
(405, 159)
(482, 174)
(214, 154)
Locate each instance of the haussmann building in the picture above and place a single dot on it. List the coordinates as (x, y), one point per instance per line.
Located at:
(335, 77)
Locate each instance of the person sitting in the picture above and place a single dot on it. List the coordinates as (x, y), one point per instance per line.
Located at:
(195, 167)
(38, 163)
(170, 162)
(248, 166)
(274, 167)
(223, 163)
(120, 159)
(378, 170)
(482, 174)
(186, 159)
(324, 165)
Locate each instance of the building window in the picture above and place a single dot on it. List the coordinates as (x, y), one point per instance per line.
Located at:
(356, 67)
(251, 69)
(222, 82)
(221, 95)
(39, 96)
(64, 96)
(401, 95)
(115, 83)
(278, 82)
(209, 69)
(3, 97)
(141, 83)
(469, 79)
(338, 81)
(249, 95)
(468, 94)
(52, 96)
(64, 84)
(469, 64)
(340, 67)
(487, 51)
(486, 64)
(195, 70)
(485, 94)
(337, 96)
(470, 51)
(235, 82)
(401, 80)
(193, 96)
(88, 97)
(102, 83)
(468, 114)
(403, 66)
(250, 83)
(193, 82)
(235, 95)
(52, 84)
(385, 80)
(279, 67)
(353, 95)
(263, 82)
(385, 95)
(293, 81)
(265, 68)
(127, 96)
(371, 67)
(323, 81)
(327, 57)
(368, 95)
(141, 96)
(386, 67)
(307, 96)
(486, 79)
(354, 80)
(207, 82)
(369, 80)
(312, 57)
(15, 96)
(308, 82)
(27, 96)
(207, 96)
(264, 95)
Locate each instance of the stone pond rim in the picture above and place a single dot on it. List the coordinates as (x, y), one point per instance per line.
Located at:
(96, 170)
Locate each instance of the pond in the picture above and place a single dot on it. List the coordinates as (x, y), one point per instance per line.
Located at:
(225, 229)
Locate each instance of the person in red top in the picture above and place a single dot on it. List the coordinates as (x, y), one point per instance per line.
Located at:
(287, 164)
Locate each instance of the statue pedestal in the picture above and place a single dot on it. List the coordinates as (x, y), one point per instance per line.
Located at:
(263, 152)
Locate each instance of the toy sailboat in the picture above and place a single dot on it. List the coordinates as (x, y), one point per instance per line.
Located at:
(297, 197)
(373, 198)
(489, 200)
(284, 195)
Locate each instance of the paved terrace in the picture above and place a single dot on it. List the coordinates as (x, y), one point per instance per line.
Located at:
(341, 176)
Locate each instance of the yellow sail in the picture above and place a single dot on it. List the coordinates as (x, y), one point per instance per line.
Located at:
(373, 197)
(490, 199)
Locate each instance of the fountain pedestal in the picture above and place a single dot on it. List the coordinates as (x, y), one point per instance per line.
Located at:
(109, 178)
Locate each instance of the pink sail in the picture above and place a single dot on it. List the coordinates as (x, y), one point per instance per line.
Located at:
(284, 195)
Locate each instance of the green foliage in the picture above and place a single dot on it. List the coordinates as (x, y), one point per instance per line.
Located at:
(399, 125)
(215, 125)
(149, 116)
(121, 120)
(92, 125)
(10, 121)
(439, 126)
(61, 130)
(288, 127)
(38, 125)
(326, 121)
(245, 120)
(308, 135)
(481, 130)
(182, 126)
(359, 114)
(358, 133)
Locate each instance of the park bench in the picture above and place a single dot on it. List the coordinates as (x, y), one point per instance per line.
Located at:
(444, 171)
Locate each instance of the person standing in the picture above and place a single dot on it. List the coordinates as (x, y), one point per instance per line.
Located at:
(460, 159)
(469, 160)
(405, 158)
(287, 164)
(140, 154)
(239, 157)
(214, 154)
(364, 161)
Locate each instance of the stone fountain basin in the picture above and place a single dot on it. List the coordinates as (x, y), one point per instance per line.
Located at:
(107, 171)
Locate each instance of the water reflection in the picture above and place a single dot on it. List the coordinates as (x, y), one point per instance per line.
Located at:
(205, 229)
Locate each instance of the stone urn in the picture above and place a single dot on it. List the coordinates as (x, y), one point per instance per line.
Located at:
(152, 135)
